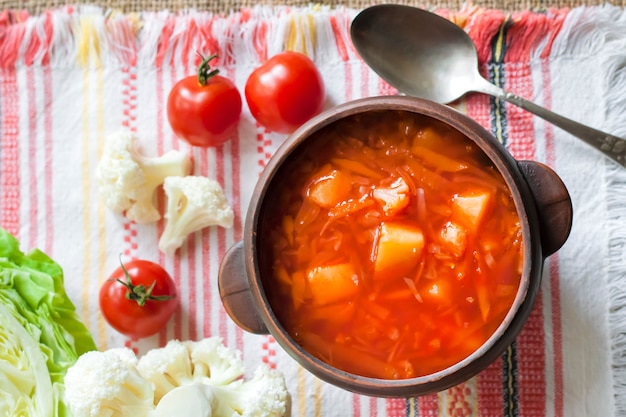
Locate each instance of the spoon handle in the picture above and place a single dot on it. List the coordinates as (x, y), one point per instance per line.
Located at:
(612, 146)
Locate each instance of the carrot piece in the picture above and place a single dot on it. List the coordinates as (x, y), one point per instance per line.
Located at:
(288, 228)
(470, 208)
(438, 161)
(329, 188)
(330, 316)
(426, 176)
(427, 136)
(398, 249)
(282, 276)
(350, 206)
(484, 299)
(332, 283)
(307, 215)
(357, 168)
(298, 289)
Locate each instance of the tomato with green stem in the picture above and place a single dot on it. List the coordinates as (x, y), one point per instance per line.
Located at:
(204, 109)
(138, 298)
(285, 91)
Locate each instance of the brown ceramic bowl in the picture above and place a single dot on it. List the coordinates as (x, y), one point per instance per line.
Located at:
(542, 202)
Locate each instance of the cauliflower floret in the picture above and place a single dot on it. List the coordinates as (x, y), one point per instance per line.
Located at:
(108, 384)
(193, 400)
(264, 395)
(393, 198)
(193, 203)
(127, 180)
(180, 363)
(213, 374)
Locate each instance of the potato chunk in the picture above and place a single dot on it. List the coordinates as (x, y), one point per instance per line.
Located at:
(398, 249)
(332, 283)
(330, 188)
(470, 208)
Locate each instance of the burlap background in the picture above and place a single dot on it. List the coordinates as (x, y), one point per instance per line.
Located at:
(224, 6)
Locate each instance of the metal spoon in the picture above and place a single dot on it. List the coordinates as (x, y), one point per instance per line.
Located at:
(425, 55)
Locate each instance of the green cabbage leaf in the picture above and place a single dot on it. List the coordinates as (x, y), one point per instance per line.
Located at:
(41, 335)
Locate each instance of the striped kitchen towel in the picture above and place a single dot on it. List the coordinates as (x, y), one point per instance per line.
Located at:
(71, 76)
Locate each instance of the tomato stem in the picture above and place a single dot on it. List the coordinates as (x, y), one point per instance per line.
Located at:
(205, 72)
(139, 293)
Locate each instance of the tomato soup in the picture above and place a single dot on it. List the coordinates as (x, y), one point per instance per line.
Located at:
(396, 247)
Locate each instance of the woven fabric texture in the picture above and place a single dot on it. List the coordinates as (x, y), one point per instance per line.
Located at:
(225, 6)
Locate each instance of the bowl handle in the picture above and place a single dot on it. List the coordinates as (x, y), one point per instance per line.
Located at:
(235, 292)
(553, 203)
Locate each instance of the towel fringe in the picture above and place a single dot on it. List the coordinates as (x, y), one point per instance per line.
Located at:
(615, 66)
(93, 36)
(585, 32)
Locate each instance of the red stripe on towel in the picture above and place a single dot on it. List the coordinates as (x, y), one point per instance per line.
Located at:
(340, 42)
(395, 407)
(33, 203)
(164, 40)
(555, 292)
(189, 327)
(13, 30)
(10, 180)
(161, 121)
(373, 407)
(221, 236)
(9, 157)
(490, 393)
(482, 28)
(176, 269)
(129, 121)
(528, 30)
(48, 152)
(428, 405)
(206, 266)
(557, 17)
(207, 45)
(206, 41)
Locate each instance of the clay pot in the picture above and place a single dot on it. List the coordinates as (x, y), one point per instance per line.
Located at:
(543, 204)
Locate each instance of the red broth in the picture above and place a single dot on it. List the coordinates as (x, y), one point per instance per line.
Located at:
(396, 246)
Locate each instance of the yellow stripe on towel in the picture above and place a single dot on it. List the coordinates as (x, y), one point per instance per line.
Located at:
(88, 48)
(301, 391)
(301, 33)
(92, 135)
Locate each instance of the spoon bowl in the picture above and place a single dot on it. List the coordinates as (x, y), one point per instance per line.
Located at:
(410, 61)
(425, 55)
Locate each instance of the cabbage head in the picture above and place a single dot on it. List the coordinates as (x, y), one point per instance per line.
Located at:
(41, 335)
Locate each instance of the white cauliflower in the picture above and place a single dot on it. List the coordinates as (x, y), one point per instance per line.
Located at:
(208, 370)
(193, 400)
(127, 180)
(107, 384)
(191, 379)
(193, 203)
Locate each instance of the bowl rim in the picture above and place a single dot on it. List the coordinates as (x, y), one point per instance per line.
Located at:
(527, 291)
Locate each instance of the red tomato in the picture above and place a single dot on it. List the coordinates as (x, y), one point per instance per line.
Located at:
(204, 109)
(284, 92)
(138, 298)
